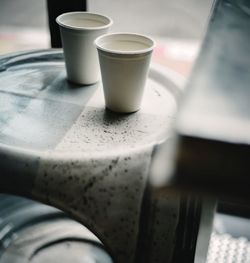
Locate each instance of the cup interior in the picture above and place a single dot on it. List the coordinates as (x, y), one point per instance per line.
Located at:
(83, 20)
(124, 43)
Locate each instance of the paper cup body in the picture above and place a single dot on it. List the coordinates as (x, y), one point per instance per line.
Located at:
(78, 33)
(124, 61)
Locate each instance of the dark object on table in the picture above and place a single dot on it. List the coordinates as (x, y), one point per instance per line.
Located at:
(56, 8)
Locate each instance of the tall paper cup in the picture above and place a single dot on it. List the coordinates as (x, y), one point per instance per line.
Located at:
(78, 32)
(124, 60)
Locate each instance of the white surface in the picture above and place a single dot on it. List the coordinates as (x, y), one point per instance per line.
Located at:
(125, 43)
(83, 21)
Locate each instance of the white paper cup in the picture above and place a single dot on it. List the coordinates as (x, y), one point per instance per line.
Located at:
(78, 32)
(124, 60)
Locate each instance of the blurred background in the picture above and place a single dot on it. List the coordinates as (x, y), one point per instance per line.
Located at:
(177, 26)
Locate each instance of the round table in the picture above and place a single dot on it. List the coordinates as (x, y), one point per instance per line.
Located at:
(60, 146)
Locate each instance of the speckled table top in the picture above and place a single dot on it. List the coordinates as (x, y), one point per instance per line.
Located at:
(41, 110)
(60, 146)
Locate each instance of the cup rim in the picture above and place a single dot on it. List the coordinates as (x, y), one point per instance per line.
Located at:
(60, 23)
(125, 52)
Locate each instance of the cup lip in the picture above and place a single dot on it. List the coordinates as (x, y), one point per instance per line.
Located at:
(60, 23)
(123, 52)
